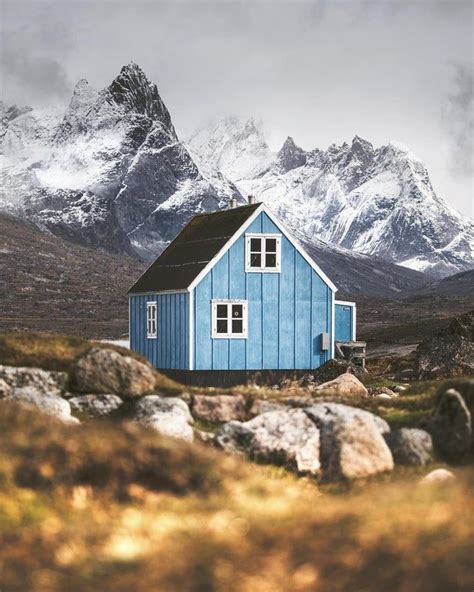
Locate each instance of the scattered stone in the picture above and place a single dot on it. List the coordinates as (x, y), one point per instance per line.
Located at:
(205, 437)
(406, 374)
(450, 352)
(438, 476)
(5, 388)
(167, 415)
(400, 388)
(352, 442)
(43, 381)
(95, 405)
(334, 368)
(50, 404)
(283, 437)
(383, 396)
(344, 385)
(410, 446)
(104, 370)
(219, 408)
(451, 426)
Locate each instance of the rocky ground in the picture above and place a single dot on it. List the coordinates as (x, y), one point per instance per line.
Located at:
(268, 488)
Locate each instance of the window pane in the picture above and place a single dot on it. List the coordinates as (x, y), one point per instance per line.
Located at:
(271, 245)
(237, 326)
(256, 244)
(221, 326)
(255, 260)
(270, 260)
(222, 311)
(237, 311)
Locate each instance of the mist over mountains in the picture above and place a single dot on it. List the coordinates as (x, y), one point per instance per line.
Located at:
(111, 172)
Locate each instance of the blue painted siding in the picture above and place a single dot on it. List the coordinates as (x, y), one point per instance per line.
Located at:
(171, 347)
(344, 322)
(287, 311)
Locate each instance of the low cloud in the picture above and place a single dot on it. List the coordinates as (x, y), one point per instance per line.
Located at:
(458, 117)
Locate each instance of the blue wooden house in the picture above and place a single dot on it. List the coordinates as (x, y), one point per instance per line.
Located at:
(235, 292)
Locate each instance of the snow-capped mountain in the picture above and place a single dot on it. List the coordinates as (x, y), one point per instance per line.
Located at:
(373, 201)
(110, 171)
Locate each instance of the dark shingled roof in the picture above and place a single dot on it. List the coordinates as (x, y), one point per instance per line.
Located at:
(197, 244)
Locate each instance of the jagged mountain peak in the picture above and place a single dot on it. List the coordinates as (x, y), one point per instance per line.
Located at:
(290, 155)
(133, 91)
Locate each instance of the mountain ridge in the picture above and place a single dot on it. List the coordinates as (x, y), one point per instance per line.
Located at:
(377, 201)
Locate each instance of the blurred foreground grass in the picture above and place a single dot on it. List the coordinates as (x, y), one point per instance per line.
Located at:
(113, 507)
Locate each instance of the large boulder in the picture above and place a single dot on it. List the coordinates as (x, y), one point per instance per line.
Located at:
(451, 426)
(334, 368)
(167, 415)
(104, 370)
(344, 385)
(219, 408)
(410, 446)
(284, 437)
(352, 442)
(95, 405)
(450, 352)
(42, 381)
(50, 404)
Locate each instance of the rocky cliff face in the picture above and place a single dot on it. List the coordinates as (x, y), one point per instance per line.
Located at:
(109, 172)
(376, 201)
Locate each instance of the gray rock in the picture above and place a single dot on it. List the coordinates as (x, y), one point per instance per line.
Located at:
(451, 427)
(104, 370)
(260, 406)
(438, 477)
(383, 396)
(44, 381)
(352, 442)
(95, 405)
(400, 388)
(169, 416)
(5, 388)
(410, 446)
(284, 437)
(326, 413)
(345, 385)
(219, 408)
(53, 405)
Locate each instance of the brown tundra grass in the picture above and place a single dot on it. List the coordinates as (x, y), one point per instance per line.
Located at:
(114, 508)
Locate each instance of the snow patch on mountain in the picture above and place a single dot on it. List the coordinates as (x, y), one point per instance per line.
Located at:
(376, 201)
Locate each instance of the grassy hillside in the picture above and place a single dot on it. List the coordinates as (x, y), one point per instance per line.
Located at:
(117, 508)
(49, 284)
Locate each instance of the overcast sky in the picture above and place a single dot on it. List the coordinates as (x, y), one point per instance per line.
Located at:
(318, 71)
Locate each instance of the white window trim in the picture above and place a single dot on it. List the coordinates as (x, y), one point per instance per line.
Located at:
(262, 268)
(151, 323)
(229, 335)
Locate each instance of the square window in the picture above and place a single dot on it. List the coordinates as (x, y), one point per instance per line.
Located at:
(237, 311)
(255, 260)
(237, 326)
(270, 260)
(271, 245)
(263, 253)
(229, 319)
(222, 311)
(256, 245)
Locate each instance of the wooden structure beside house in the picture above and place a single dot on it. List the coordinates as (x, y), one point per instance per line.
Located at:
(235, 292)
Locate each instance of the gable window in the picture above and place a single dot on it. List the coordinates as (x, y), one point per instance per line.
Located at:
(229, 319)
(263, 252)
(151, 332)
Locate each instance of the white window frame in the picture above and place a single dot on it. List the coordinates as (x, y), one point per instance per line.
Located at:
(152, 320)
(263, 267)
(229, 334)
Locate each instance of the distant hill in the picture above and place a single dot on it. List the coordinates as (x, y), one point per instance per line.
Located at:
(48, 283)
